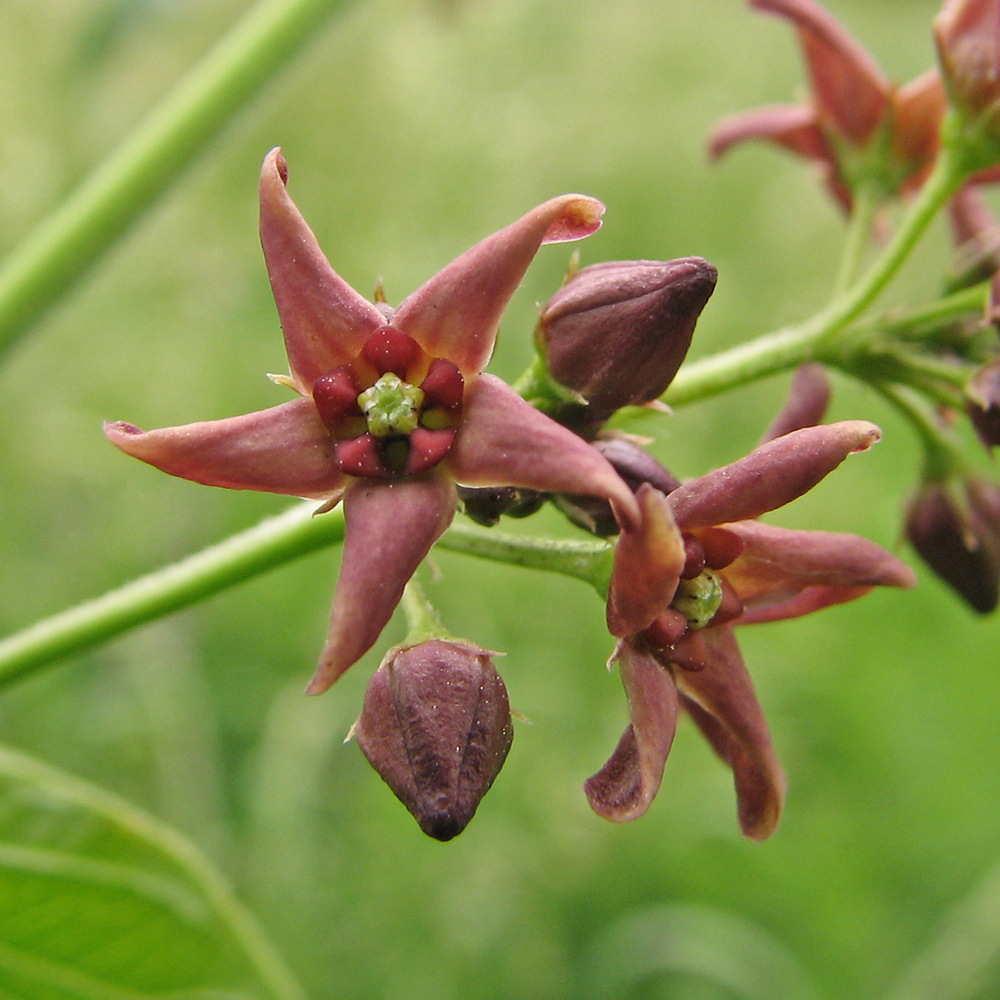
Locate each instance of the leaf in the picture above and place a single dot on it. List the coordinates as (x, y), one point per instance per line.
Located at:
(100, 901)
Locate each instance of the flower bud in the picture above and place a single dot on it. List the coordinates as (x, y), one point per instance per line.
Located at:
(436, 726)
(960, 541)
(487, 504)
(968, 41)
(983, 403)
(635, 465)
(617, 332)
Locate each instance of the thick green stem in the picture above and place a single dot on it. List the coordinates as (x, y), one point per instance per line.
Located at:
(270, 544)
(114, 196)
(587, 561)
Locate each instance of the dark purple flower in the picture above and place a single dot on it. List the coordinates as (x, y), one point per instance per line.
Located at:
(392, 410)
(699, 564)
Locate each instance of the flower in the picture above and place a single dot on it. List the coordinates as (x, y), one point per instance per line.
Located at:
(967, 33)
(960, 538)
(436, 726)
(392, 410)
(698, 565)
(617, 332)
(858, 125)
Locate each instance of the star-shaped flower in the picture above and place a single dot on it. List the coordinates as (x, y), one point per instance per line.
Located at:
(392, 409)
(699, 564)
(857, 125)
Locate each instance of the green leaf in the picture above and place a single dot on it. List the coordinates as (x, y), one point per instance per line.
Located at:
(100, 901)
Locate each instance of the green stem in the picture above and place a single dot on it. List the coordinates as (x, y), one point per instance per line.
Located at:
(272, 543)
(422, 619)
(120, 189)
(587, 561)
(267, 962)
(948, 174)
(942, 455)
(789, 347)
(859, 229)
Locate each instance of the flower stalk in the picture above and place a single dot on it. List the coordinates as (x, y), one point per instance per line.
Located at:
(273, 543)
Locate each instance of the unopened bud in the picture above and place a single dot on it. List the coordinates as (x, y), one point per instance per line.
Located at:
(617, 332)
(968, 41)
(983, 403)
(635, 465)
(960, 541)
(487, 504)
(436, 726)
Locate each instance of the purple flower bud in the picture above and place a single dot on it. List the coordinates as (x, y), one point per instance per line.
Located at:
(960, 542)
(968, 40)
(983, 403)
(436, 726)
(617, 332)
(635, 465)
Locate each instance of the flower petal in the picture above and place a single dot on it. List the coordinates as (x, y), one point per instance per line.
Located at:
(850, 90)
(777, 564)
(623, 789)
(790, 125)
(808, 398)
(457, 313)
(770, 476)
(722, 702)
(285, 449)
(648, 564)
(918, 110)
(391, 526)
(325, 321)
(504, 441)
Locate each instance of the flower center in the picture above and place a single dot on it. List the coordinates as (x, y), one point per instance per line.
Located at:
(699, 598)
(391, 406)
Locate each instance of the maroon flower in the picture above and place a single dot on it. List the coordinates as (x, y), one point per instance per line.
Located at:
(858, 124)
(967, 33)
(700, 564)
(392, 409)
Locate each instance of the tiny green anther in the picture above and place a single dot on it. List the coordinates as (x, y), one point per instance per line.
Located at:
(699, 599)
(391, 406)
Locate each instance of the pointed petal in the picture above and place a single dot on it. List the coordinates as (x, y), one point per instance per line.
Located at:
(648, 564)
(504, 441)
(457, 313)
(285, 449)
(805, 602)
(771, 476)
(790, 125)
(623, 789)
(850, 90)
(808, 398)
(732, 721)
(391, 526)
(778, 564)
(325, 321)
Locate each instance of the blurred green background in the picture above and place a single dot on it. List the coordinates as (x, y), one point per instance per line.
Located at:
(412, 129)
